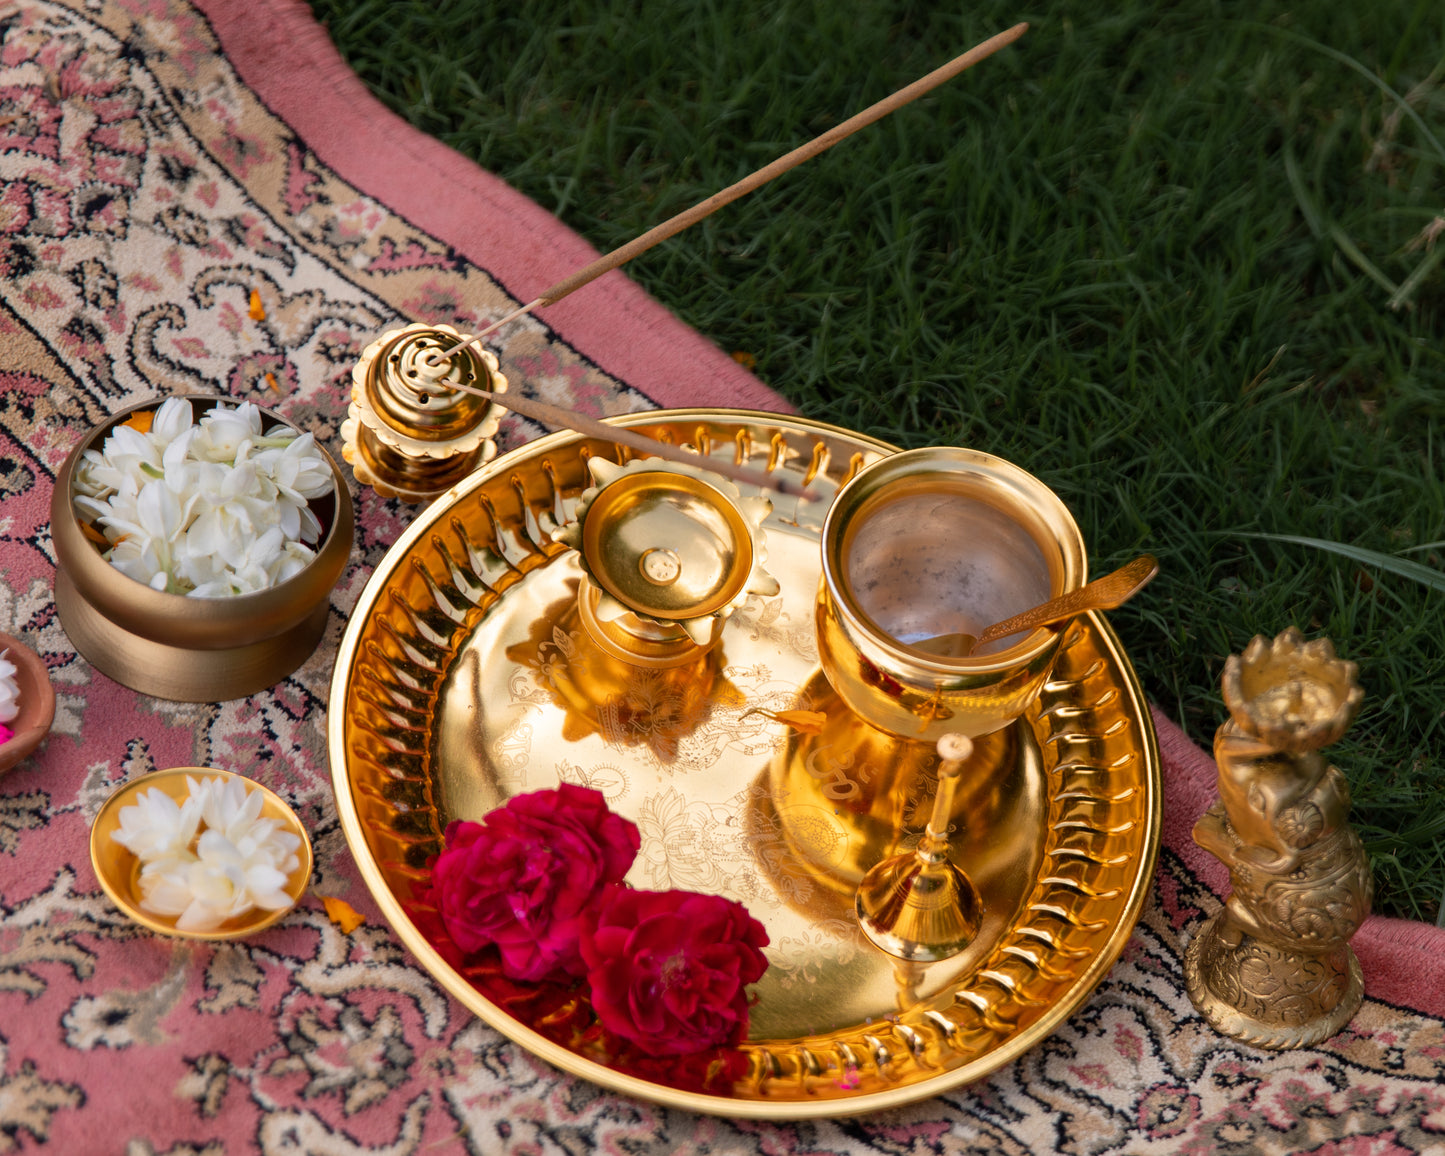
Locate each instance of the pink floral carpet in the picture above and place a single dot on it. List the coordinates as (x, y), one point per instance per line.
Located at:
(161, 158)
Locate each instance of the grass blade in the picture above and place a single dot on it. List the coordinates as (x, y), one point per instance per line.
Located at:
(1434, 579)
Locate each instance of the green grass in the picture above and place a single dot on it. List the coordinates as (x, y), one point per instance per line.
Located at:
(1168, 260)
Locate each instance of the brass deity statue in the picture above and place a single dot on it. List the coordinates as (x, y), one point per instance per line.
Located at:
(1274, 968)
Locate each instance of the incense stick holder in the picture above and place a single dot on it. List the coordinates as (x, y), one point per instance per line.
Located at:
(1274, 968)
(408, 433)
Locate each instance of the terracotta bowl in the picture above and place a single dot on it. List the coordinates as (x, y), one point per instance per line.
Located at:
(37, 702)
(192, 649)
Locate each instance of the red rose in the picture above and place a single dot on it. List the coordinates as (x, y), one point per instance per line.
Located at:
(527, 878)
(668, 968)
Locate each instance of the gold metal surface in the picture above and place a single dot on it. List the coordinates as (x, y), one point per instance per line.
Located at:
(36, 702)
(466, 677)
(408, 433)
(877, 789)
(1275, 968)
(921, 905)
(1106, 593)
(930, 542)
(118, 869)
(191, 649)
(669, 551)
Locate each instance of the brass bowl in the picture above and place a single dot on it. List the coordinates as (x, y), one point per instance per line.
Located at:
(930, 542)
(118, 869)
(36, 703)
(192, 649)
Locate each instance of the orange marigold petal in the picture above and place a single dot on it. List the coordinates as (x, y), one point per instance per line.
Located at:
(258, 311)
(141, 420)
(342, 914)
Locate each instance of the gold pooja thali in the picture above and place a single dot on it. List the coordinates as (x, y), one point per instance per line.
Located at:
(467, 676)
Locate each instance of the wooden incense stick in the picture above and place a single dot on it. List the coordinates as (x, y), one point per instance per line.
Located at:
(762, 176)
(591, 427)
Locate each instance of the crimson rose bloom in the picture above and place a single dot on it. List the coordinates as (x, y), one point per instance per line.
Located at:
(528, 875)
(668, 968)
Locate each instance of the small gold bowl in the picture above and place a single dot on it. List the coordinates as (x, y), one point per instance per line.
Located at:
(928, 543)
(36, 702)
(118, 869)
(192, 649)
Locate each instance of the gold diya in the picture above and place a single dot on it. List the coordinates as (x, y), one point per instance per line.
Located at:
(467, 675)
(191, 649)
(118, 869)
(669, 552)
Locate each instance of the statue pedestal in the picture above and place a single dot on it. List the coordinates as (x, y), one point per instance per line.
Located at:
(1267, 996)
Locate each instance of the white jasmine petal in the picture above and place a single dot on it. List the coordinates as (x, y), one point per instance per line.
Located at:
(156, 826)
(215, 588)
(211, 507)
(289, 514)
(250, 414)
(171, 421)
(175, 461)
(9, 689)
(293, 560)
(91, 506)
(128, 444)
(136, 558)
(159, 512)
(166, 889)
(266, 887)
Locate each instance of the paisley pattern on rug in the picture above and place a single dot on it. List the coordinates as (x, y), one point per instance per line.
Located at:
(146, 190)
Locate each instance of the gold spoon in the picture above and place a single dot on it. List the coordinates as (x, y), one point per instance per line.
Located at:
(1104, 593)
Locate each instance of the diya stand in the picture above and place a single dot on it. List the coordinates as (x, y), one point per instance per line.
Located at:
(669, 552)
(1274, 968)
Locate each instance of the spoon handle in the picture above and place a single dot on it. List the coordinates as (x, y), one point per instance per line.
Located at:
(1113, 589)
